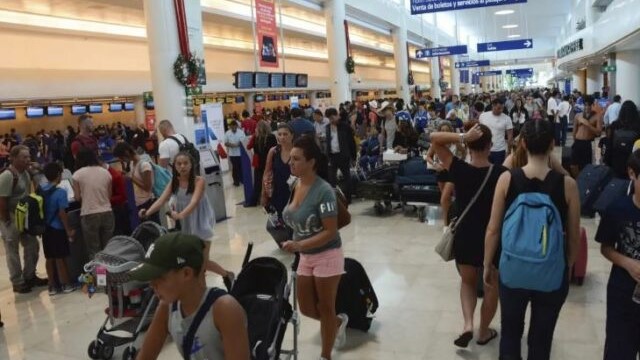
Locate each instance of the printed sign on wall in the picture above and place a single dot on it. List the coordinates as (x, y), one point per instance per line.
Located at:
(267, 32)
(431, 6)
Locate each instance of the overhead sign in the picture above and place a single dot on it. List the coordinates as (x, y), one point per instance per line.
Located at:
(489, 73)
(505, 45)
(570, 48)
(520, 72)
(267, 32)
(441, 51)
(464, 77)
(468, 64)
(609, 68)
(431, 6)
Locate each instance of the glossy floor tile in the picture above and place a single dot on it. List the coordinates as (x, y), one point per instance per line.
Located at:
(419, 314)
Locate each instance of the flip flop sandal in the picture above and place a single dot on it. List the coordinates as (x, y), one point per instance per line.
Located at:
(494, 334)
(464, 339)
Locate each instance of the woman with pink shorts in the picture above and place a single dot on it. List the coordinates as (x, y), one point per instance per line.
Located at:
(312, 213)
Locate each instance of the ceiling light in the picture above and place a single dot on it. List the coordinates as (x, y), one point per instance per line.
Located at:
(504, 12)
(513, 36)
(510, 26)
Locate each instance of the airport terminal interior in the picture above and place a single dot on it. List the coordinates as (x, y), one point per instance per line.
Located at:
(228, 73)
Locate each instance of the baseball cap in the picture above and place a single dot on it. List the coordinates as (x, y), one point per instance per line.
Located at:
(170, 252)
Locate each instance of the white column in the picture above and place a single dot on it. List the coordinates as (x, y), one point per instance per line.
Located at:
(138, 103)
(435, 79)
(249, 102)
(594, 79)
(399, 36)
(455, 76)
(628, 75)
(334, 12)
(162, 38)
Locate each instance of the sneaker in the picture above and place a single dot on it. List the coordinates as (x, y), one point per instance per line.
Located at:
(37, 282)
(229, 280)
(341, 336)
(53, 291)
(69, 289)
(22, 289)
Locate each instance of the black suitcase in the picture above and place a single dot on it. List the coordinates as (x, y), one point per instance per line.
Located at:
(615, 189)
(591, 182)
(429, 194)
(378, 190)
(356, 296)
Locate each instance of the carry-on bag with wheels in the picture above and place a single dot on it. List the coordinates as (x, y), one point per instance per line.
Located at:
(356, 296)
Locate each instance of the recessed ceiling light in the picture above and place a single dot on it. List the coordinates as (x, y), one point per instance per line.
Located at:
(504, 12)
(513, 36)
(510, 26)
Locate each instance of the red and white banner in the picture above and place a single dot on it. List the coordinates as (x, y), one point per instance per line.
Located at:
(267, 33)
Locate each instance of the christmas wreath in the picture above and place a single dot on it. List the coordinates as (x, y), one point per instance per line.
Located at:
(350, 65)
(186, 70)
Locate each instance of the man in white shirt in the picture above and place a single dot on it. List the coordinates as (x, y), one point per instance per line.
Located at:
(563, 116)
(233, 141)
(320, 124)
(501, 127)
(170, 146)
(552, 107)
(613, 111)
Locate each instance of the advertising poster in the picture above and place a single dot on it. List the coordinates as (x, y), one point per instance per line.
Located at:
(267, 32)
(295, 102)
(211, 128)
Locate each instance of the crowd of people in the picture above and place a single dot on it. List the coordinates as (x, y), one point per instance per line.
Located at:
(491, 152)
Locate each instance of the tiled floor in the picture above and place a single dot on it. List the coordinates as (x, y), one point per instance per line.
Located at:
(419, 313)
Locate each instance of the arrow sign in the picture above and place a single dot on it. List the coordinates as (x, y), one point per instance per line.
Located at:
(489, 73)
(441, 51)
(527, 72)
(468, 64)
(505, 45)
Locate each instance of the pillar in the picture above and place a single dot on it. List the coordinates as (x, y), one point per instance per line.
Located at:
(399, 35)
(249, 102)
(435, 78)
(162, 38)
(577, 80)
(594, 79)
(613, 82)
(455, 77)
(138, 103)
(628, 75)
(334, 11)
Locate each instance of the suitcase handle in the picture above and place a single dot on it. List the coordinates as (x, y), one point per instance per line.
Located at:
(247, 255)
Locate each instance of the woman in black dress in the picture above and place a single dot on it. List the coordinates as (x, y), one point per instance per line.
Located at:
(261, 142)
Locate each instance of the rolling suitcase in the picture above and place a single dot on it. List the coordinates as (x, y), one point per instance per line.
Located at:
(615, 189)
(591, 181)
(356, 296)
(579, 270)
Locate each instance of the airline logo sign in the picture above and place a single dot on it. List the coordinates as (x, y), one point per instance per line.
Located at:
(468, 64)
(505, 45)
(431, 6)
(441, 51)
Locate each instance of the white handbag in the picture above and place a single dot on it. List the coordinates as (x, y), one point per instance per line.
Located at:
(444, 248)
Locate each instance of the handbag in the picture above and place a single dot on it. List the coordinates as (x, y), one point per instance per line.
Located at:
(344, 217)
(444, 248)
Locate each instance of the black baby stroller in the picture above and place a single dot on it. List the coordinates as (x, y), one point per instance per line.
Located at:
(263, 290)
(147, 233)
(379, 187)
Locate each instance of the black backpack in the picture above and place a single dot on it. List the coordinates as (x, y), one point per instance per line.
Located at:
(188, 148)
(622, 146)
(356, 296)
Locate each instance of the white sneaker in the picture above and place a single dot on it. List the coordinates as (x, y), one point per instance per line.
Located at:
(341, 336)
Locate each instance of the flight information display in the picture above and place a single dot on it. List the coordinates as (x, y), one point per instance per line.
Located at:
(277, 80)
(290, 80)
(244, 80)
(261, 80)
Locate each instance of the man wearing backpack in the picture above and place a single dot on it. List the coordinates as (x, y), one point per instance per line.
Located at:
(172, 144)
(15, 183)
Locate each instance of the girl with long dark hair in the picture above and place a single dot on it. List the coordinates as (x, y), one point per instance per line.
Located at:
(261, 142)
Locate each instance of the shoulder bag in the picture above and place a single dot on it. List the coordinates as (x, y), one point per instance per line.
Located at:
(445, 246)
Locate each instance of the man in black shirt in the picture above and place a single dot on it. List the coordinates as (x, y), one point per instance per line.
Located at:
(619, 236)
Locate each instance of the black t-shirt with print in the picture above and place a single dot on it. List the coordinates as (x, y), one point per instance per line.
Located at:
(620, 227)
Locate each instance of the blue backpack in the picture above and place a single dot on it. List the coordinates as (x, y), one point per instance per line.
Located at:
(161, 178)
(533, 245)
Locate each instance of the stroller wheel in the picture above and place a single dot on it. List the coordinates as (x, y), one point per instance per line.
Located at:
(94, 350)
(107, 352)
(129, 353)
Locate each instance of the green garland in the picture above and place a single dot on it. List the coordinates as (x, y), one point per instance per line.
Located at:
(186, 70)
(350, 65)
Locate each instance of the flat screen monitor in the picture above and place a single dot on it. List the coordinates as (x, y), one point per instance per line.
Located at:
(55, 111)
(239, 99)
(7, 113)
(290, 80)
(285, 97)
(276, 80)
(259, 98)
(128, 106)
(115, 107)
(95, 108)
(149, 105)
(35, 111)
(261, 80)
(243, 80)
(78, 109)
(302, 80)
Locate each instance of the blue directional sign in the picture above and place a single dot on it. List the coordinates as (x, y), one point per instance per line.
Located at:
(489, 73)
(528, 72)
(464, 77)
(468, 64)
(505, 45)
(431, 6)
(441, 51)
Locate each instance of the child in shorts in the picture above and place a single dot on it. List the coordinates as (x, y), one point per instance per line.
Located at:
(58, 233)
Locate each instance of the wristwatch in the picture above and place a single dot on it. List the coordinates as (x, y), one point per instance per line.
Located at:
(462, 138)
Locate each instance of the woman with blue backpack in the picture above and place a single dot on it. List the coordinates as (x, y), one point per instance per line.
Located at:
(533, 235)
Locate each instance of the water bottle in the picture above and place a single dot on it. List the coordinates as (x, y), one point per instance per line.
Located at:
(636, 294)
